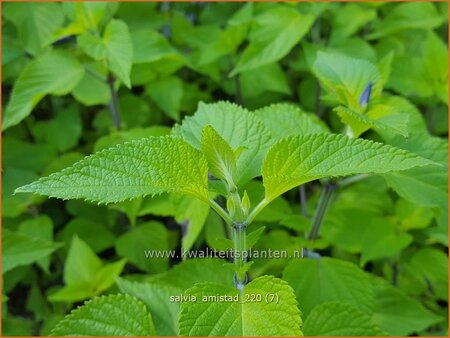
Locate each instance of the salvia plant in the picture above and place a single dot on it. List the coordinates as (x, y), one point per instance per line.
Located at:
(197, 118)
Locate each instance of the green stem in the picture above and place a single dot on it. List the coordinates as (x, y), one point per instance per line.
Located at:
(322, 207)
(261, 205)
(352, 179)
(303, 206)
(240, 253)
(114, 103)
(222, 213)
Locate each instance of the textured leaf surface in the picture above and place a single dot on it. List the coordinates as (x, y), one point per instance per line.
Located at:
(275, 33)
(297, 160)
(238, 127)
(55, 73)
(19, 249)
(213, 318)
(114, 315)
(157, 298)
(137, 168)
(316, 281)
(115, 47)
(339, 319)
(285, 120)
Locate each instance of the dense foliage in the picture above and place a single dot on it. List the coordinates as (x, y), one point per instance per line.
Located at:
(318, 128)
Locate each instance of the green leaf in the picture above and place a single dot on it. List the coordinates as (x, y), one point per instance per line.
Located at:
(398, 314)
(94, 232)
(41, 77)
(346, 78)
(382, 240)
(191, 214)
(19, 154)
(427, 186)
(63, 131)
(150, 46)
(316, 281)
(435, 53)
(147, 236)
(92, 90)
(238, 127)
(274, 34)
(167, 94)
(115, 47)
(157, 298)
(113, 315)
(241, 317)
(267, 78)
(14, 205)
(137, 168)
(414, 15)
(84, 274)
(40, 228)
(339, 319)
(343, 28)
(35, 23)
(435, 274)
(297, 160)
(18, 249)
(221, 158)
(285, 120)
(195, 270)
(380, 117)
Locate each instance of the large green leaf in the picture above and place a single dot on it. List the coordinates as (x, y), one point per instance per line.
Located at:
(41, 77)
(238, 127)
(19, 249)
(275, 32)
(137, 168)
(316, 281)
(297, 160)
(115, 47)
(339, 319)
(114, 315)
(241, 316)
